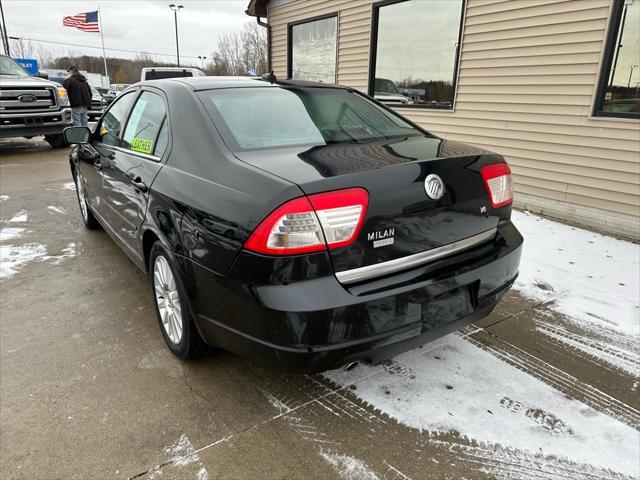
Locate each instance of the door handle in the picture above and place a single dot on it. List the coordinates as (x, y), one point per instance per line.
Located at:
(138, 184)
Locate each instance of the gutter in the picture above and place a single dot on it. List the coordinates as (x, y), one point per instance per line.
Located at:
(268, 27)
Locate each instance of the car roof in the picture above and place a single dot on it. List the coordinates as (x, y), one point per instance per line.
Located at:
(210, 83)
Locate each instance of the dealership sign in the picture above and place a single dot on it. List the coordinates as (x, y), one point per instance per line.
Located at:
(29, 64)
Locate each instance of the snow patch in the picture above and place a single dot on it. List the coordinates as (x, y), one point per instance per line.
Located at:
(55, 209)
(180, 454)
(4, 198)
(68, 252)
(612, 351)
(347, 467)
(276, 402)
(69, 186)
(202, 474)
(592, 278)
(10, 233)
(21, 216)
(14, 257)
(460, 387)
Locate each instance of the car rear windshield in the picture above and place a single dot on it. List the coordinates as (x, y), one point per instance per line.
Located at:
(268, 117)
(160, 74)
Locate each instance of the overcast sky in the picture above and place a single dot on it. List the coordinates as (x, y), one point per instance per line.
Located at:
(141, 25)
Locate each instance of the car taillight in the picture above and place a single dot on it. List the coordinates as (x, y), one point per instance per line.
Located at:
(497, 178)
(311, 224)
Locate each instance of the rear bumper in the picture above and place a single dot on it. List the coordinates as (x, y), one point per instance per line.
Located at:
(318, 323)
(32, 124)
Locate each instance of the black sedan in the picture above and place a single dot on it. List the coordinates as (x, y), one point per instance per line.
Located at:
(296, 223)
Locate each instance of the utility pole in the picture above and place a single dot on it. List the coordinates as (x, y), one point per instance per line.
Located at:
(4, 32)
(630, 74)
(176, 8)
(104, 55)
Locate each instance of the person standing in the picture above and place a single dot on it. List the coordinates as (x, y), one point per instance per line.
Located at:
(79, 93)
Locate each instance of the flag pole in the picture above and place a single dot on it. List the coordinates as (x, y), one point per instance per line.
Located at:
(104, 55)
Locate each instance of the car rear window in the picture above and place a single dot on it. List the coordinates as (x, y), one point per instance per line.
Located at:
(268, 117)
(160, 74)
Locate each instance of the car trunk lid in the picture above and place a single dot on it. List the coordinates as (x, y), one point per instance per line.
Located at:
(402, 219)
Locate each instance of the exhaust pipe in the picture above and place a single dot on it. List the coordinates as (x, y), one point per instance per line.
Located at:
(350, 366)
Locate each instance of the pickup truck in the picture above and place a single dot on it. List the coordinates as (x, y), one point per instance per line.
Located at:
(31, 106)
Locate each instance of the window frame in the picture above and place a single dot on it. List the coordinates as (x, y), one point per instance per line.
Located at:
(373, 53)
(606, 64)
(290, 26)
(166, 120)
(96, 133)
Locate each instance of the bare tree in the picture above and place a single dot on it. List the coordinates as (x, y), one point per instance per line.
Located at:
(254, 39)
(21, 48)
(239, 52)
(228, 58)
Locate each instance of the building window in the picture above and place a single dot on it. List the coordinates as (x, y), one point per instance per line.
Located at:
(312, 49)
(415, 45)
(619, 89)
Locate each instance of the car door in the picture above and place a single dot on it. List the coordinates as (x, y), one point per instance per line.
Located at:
(104, 140)
(129, 173)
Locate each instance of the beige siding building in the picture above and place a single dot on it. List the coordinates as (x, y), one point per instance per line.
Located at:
(531, 80)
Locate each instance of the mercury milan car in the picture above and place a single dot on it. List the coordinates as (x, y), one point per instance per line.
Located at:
(296, 223)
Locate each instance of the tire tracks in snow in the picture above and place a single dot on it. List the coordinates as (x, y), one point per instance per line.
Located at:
(556, 378)
(618, 353)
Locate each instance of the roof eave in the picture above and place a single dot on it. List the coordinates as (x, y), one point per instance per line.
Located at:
(257, 8)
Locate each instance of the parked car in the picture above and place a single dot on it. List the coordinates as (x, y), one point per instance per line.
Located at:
(385, 91)
(98, 104)
(158, 73)
(114, 90)
(314, 183)
(31, 106)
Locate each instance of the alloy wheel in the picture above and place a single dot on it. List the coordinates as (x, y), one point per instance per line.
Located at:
(167, 299)
(82, 199)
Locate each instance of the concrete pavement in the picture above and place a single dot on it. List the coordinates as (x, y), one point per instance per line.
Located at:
(89, 390)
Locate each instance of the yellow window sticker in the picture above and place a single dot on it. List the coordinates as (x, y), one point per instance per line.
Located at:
(141, 145)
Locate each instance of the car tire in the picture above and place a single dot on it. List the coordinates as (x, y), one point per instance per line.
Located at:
(56, 141)
(89, 220)
(172, 307)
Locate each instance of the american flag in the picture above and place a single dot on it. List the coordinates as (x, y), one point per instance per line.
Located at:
(87, 22)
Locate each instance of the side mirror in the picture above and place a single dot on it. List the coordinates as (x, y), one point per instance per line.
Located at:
(77, 135)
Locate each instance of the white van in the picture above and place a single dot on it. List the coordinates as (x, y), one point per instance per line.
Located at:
(157, 73)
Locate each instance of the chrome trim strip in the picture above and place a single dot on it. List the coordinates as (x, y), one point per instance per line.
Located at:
(410, 261)
(138, 154)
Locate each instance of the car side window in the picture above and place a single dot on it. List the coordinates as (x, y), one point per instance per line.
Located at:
(114, 118)
(145, 126)
(163, 139)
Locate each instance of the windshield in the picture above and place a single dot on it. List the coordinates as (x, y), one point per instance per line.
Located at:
(257, 118)
(8, 66)
(382, 85)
